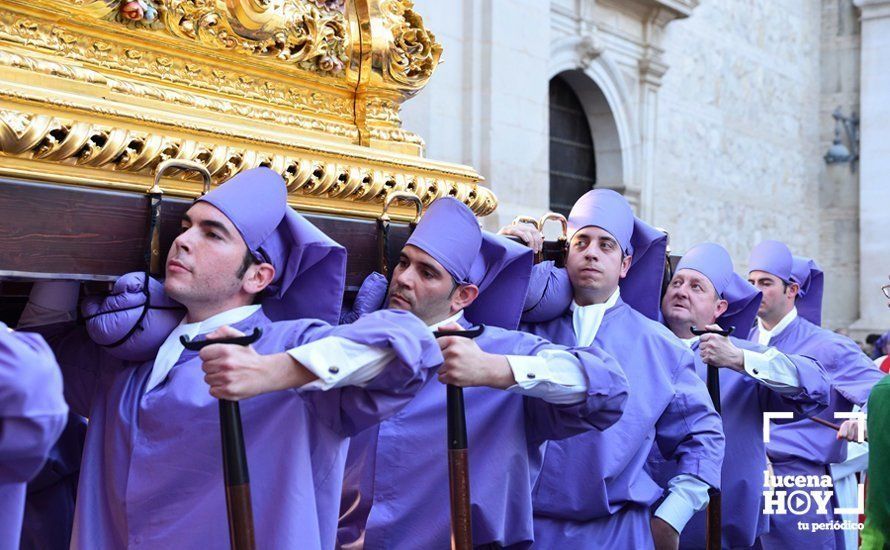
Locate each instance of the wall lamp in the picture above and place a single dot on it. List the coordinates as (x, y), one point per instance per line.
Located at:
(838, 152)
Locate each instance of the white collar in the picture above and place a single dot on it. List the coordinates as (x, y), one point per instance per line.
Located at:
(764, 336)
(689, 342)
(453, 319)
(171, 349)
(613, 299)
(586, 320)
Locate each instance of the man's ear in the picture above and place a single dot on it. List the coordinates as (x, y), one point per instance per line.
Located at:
(258, 277)
(722, 306)
(793, 289)
(463, 296)
(625, 266)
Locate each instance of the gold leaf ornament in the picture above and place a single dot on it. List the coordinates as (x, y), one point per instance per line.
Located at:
(310, 35)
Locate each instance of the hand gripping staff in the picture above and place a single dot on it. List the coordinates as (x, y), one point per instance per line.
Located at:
(555, 251)
(235, 472)
(458, 459)
(714, 525)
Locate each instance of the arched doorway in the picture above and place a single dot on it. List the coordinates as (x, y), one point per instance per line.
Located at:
(572, 159)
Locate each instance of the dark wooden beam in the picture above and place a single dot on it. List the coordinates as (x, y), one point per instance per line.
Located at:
(52, 231)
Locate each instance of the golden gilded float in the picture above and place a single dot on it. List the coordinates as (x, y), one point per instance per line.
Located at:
(97, 93)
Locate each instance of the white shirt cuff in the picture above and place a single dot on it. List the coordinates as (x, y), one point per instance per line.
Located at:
(688, 495)
(339, 362)
(772, 369)
(556, 376)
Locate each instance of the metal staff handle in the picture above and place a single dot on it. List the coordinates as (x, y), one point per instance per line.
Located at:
(715, 520)
(555, 250)
(235, 471)
(155, 195)
(384, 220)
(458, 456)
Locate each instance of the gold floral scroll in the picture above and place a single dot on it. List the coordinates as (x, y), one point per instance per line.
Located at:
(98, 92)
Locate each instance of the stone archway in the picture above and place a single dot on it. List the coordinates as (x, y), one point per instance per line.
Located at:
(597, 135)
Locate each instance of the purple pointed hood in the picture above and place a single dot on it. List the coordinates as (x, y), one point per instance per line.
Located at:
(310, 267)
(714, 262)
(773, 257)
(450, 233)
(608, 210)
(809, 277)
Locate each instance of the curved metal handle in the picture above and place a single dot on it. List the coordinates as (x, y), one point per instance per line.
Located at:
(554, 216)
(406, 196)
(198, 345)
(471, 332)
(181, 164)
(722, 332)
(526, 219)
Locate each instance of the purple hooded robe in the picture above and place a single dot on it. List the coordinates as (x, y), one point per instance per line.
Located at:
(594, 489)
(32, 415)
(152, 470)
(396, 491)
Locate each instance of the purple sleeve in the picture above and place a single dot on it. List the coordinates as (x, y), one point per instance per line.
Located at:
(810, 400)
(350, 409)
(369, 298)
(120, 322)
(81, 361)
(549, 293)
(32, 410)
(851, 372)
(607, 389)
(689, 431)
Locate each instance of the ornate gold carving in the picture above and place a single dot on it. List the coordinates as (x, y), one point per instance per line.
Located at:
(173, 96)
(309, 34)
(130, 59)
(108, 148)
(414, 52)
(101, 97)
(383, 109)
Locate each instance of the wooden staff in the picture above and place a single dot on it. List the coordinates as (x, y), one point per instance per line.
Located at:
(831, 425)
(458, 457)
(550, 250)
(235, 471)
(714, 529)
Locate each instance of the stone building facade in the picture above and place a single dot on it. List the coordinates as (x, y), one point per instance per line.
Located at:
(711, 117)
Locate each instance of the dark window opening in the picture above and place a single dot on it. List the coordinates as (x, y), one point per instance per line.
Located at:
(572, 163)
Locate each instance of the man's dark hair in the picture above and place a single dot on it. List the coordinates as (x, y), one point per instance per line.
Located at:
(248, 261)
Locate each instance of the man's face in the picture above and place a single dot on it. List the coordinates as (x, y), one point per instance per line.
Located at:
(422, 286)
(595, 263)
(778, 298)
(691, 300)
(204, 261)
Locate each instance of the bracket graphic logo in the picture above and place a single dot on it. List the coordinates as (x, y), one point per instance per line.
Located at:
(798, 494)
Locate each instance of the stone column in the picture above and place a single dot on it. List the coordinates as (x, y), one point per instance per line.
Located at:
(874, 165)
(652, 69)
